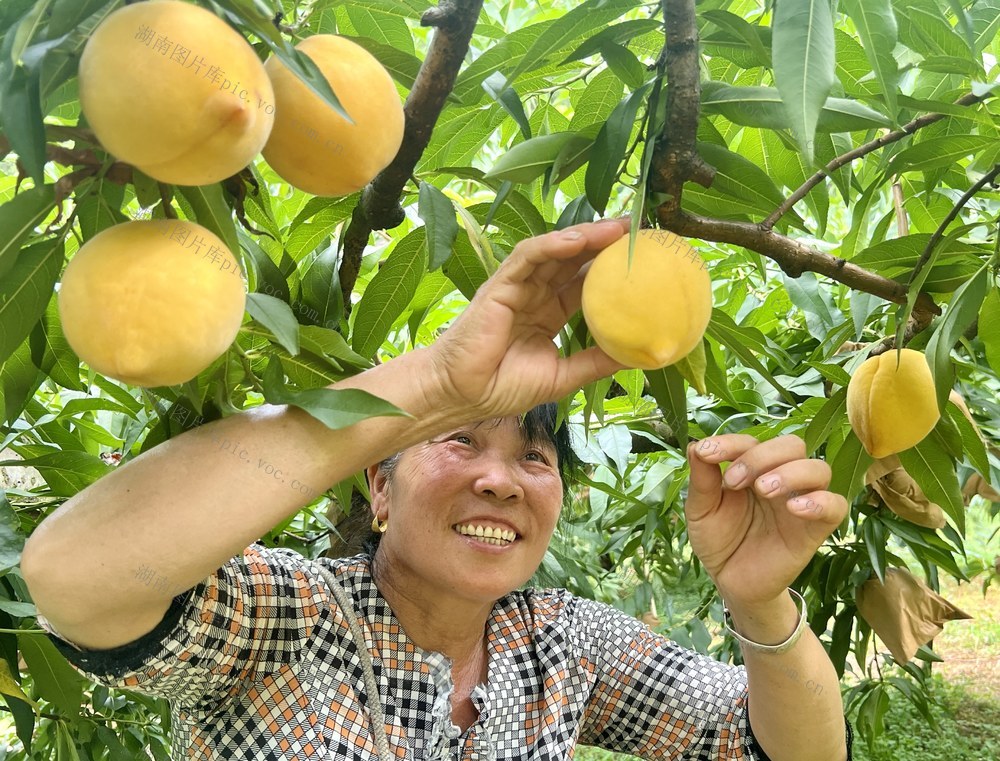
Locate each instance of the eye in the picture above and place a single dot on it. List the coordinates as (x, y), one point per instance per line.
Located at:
(535, 456)
(462, 438)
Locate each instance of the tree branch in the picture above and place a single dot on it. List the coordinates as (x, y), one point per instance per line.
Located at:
(675, 161)
(981, 183)
(675, 157)
(792, 256)
(862, 150)
(379, 207)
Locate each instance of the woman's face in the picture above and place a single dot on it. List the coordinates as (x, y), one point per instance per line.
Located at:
(470, 512)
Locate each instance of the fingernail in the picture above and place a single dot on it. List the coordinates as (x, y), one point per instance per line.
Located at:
(735, 475)
(768, 485)
(571, 234)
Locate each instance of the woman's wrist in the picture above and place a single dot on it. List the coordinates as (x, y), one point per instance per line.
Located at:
(768, 622)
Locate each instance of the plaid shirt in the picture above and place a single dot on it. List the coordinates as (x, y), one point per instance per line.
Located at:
(258, 664)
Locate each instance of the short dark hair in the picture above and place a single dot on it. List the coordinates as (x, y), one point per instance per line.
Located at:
(539, 425)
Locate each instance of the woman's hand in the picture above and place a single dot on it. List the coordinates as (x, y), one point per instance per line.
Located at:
(498, 358)
(755, 530)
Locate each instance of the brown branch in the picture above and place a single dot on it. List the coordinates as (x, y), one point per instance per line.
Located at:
(379, 207)
(792, 256)
(675, 161)
(981, 183)
(675, 157)
(862, 150)
(917, 323)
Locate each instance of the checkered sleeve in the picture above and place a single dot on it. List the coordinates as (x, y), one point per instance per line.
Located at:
(251, 616)
(655, 699)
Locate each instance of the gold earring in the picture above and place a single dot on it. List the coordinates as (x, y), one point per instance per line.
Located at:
(379, 526)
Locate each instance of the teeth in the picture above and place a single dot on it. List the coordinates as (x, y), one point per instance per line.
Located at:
(488, 534)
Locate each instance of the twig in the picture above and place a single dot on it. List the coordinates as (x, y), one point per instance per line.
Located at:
(379, 207)
(983, 181)
(862, 150)
(792, 256)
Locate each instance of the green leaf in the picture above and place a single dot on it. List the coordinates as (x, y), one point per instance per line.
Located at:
(65, 473)
(254, 18)
(27, 29)
(762, 107)
(18, 218)
(509, 100)
(938, 152)
(277, 317)
(667, 387)
(849, 466)
(569, 27)
(972, 442)
(989, 327)
(962, 310)
(802, 51)
(740, 29)
(388, 293)
(528, 160)
(19, 379)
(876, 25)
(60, 63)
(51, 352)
(116, 751)
(21, 120)
(831, 414)
(934, 471)
(321, 291)
(618, 34)
(211, 211)
(438, 213)
(741, 178)
(26, 290)
(335, 408)
(875, 537)
(9, 686)
(11, 538)
(985, 24)
(98, 206)
(742, 342)
(610, 148)
(692, 367)
(465, 269)
(55, 680)
(624, 64)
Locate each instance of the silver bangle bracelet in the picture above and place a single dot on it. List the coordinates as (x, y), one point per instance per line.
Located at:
(772, 649)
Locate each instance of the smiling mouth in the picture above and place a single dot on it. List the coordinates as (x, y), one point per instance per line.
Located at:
(496, 536)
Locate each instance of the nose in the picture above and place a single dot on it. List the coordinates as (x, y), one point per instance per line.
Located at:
(498, 478)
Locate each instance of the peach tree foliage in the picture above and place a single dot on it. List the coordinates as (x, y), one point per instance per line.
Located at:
(839, 183)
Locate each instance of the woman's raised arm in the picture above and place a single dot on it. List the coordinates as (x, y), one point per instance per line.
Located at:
(182, 509)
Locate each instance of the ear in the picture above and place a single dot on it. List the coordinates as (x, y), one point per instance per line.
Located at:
(378, 488)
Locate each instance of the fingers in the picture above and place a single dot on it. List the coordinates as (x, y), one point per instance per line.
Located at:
(704, 486)
(579, 243)
(776, 470)
(749, 457)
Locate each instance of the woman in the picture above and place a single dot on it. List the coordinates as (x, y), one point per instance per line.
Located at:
(426, 651)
